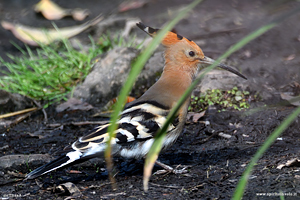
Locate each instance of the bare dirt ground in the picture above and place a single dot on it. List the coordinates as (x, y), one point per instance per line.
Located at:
(271, 63)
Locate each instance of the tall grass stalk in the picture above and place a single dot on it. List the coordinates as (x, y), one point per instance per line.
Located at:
(239, 191)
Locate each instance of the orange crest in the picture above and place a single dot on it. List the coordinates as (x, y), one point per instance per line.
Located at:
(170, 38)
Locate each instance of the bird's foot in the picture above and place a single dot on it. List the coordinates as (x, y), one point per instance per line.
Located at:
(168, 169)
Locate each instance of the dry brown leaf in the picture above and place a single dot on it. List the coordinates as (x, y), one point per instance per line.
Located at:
(74, 172)
(34, 36)
(73, 104)
(131, 4)
(80, 14)
(195, 116)
(290, 57)
(52, 11)
(247, 53)
(69, 188)
(291, 99)
(16, 174)
(290, 163)
(296, 84)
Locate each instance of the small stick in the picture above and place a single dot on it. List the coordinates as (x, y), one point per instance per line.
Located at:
(19, 119)
(98, 186)
(43, 110)
(88, 123)
(167, 186)
(18, 112)
(78, 123)
(224, 135)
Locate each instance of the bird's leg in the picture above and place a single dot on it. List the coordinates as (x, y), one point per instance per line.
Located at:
(169, 169)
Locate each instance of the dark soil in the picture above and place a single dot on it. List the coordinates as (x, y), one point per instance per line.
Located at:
(216, 165)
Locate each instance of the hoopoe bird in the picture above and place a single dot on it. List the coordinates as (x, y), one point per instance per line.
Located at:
(143, 117)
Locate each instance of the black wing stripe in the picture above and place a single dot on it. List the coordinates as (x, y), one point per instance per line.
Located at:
(98, 141)
(151, 125)
(147, 115)
(81, 145)
(141, 121)
(154, 103)
(130, 128)
(137, 113)
(85, 145)
(121, 138)
(95, 133)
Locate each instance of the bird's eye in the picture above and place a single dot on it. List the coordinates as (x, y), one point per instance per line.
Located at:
(192, 54)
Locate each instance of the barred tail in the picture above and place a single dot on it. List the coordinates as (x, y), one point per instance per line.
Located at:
(55, 164)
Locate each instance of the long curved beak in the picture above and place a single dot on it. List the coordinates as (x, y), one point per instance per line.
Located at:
(209, 61)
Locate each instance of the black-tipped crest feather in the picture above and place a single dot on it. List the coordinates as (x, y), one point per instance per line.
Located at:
(150, 31)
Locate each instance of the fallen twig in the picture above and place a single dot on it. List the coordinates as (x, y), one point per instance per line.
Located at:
(43, 110)
(213, 134)
(167, 186)
(18, 112)
(21, 118)
(98, 186)
(28, 112)
(224, 135)
(112, 195)
(78, 123)
(194, 187)
(88, 123)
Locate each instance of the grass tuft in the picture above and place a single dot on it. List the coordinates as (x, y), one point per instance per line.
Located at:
(51, 72)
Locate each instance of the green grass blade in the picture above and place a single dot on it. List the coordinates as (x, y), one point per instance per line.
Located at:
(239, 191)
(136, 69)
(238, 194)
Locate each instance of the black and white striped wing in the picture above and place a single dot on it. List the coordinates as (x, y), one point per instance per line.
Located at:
(136, 128)
(135, 134)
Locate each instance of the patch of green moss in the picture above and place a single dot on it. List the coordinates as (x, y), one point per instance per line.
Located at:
(233, 98)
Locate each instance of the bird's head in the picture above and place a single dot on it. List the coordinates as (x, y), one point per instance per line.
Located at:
(183, 53)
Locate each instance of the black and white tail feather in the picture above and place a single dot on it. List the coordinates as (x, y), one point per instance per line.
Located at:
(137, 126)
